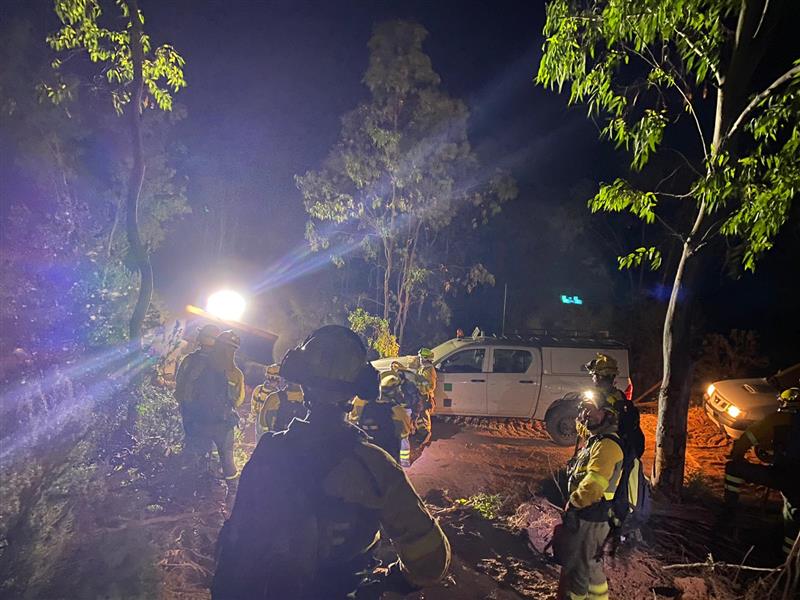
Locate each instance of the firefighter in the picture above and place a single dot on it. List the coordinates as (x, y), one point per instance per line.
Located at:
(426, 383)
(219, 391)
(604, 370)
(276, 403)
(189, 369)
(412, 405)
(777, 434)
(593, 479)
(328, 493)
(385, 419)
(271, 383)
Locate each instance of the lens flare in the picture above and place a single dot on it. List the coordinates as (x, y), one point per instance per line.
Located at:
(226, 305)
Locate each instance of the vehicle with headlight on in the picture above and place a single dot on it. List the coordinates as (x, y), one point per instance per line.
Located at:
(540, 376)
(735, 404)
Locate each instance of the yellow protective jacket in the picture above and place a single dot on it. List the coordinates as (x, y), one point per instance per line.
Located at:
(330, 493)
(596, 472)
(259, 396)
(271, 406)
(770, 433)
(236, 389)
(426, 377)
(400, 418)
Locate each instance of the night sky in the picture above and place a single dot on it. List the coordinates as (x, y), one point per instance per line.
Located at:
(269, 81)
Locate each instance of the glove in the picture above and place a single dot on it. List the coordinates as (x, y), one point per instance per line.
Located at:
(570, 519)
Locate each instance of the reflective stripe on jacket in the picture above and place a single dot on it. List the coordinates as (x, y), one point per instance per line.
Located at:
(596, 472)
(770, 433)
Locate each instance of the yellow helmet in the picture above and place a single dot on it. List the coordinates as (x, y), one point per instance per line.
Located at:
(425, 354)
(389, 381)
(603, 366)
(789, 400)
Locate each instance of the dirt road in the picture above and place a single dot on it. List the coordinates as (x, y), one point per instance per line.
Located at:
(491, 484)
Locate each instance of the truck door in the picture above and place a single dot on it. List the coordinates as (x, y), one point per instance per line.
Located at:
(514, 382)
(462, 376)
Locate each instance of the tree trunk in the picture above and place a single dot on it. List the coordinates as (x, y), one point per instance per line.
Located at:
(138, 250)
(673, 399)
(673, 403)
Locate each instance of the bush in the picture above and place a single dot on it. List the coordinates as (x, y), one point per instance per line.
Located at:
(488, 505)
(376, 332)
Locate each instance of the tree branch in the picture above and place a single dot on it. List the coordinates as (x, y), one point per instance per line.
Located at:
(758, 98)
(654, 63)
(712, 67)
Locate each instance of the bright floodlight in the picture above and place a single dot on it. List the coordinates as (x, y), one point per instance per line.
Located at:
(226, 305)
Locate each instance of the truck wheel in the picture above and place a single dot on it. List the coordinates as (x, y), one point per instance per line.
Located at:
(560, 422)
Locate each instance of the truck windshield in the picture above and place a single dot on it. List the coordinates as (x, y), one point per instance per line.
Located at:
(444, 349)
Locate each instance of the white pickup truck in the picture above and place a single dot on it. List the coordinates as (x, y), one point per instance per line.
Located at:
(538, 377)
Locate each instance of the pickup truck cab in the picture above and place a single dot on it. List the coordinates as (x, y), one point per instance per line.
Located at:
(735, 404)
(536, 377)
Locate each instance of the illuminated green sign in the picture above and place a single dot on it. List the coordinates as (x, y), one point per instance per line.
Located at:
(571, 299)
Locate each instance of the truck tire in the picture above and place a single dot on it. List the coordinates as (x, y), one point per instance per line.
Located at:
(560, 421)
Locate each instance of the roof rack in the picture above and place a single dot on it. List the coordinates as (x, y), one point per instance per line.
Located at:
(551, 337)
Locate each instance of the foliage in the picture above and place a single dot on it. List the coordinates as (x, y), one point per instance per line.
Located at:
(376, 331)
(400, 175)
(643, 66)
(83, 29)
(488, 505)
(66, 268)
(158, 427)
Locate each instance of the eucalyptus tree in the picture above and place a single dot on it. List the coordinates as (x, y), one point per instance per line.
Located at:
(402, 171)
(645, 67)
(138, 75)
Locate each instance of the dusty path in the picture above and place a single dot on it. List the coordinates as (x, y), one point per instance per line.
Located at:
(490, 457)
(501, 557)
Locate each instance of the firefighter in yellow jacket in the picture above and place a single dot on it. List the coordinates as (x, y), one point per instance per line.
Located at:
(276, 404)
(777, 436)
(385, 419)
(329, 493)
(426, 384)
(594, 475)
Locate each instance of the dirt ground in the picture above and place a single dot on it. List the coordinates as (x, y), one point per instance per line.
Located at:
(503, 557)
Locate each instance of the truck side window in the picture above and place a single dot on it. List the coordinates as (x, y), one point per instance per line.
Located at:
(466, 361)
(511, 361)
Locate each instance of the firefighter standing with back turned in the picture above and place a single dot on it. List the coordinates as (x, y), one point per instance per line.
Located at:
(385, 419)
(219, 390)
(313, 500)
(188, 371)
(778, 434)
(426, 382)
(593, 479)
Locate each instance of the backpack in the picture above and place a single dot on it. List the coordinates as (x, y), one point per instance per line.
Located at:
(629, 429)
(632, 503)
(269, 547)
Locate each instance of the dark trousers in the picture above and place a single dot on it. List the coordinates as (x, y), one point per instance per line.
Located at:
(739, 472)
(199, 440)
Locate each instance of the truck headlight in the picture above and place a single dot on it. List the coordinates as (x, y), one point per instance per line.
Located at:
(710, 390)
(733, 411)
